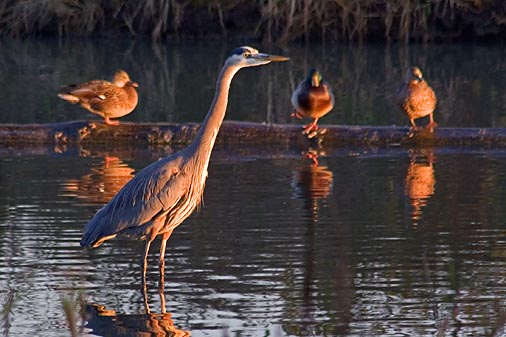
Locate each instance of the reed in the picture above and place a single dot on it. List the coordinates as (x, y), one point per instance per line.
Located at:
(73, 304)
(270, 20)
(6, 312)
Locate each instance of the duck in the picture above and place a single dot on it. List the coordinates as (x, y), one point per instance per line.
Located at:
(107, 99)
(416, 98)
(312, 98)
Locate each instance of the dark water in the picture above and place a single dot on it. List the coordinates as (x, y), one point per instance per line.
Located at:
(177, 80)
(371, 242)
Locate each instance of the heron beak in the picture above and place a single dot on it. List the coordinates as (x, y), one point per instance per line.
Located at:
(271, 58)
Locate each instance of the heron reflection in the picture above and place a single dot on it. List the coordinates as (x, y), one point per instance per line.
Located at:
(420, 182)
(102, 182)
(106, 322)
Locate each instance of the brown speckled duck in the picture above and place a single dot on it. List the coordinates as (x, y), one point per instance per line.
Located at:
(107, 99)
(312, 98)
(416, 98)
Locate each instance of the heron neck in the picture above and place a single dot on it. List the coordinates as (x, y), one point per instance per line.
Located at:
(204, 141)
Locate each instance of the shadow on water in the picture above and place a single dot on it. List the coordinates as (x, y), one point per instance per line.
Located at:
(468, 80)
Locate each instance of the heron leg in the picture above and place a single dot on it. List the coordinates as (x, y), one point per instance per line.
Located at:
(145, 260)
(165, 238)
(161, 293)
(144, 291)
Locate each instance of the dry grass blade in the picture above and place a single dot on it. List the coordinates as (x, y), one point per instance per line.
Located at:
(72, 305)
(284, 21)
(7, 312)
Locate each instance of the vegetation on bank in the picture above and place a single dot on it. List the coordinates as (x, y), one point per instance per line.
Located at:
(270, 20)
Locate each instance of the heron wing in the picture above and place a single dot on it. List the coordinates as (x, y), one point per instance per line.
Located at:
(149, 195)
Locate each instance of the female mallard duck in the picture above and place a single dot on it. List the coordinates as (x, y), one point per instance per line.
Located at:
(416, 98)
(103, 98)
(313, 98)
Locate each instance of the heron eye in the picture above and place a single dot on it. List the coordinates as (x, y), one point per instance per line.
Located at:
(246, 54)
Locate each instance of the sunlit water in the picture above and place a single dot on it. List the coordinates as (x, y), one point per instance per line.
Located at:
(371, 242)
(177, 80)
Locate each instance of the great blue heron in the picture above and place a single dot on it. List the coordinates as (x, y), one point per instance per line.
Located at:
(416, 98)
(107, 99)
(312, 98)
(162, 195)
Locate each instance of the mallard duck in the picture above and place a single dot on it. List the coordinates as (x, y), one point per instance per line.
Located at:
(107, 99)
(312, 98)
(416, 98)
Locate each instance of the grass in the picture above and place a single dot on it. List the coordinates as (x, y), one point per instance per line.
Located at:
(269, 20)
(73, 304)
(6, 312)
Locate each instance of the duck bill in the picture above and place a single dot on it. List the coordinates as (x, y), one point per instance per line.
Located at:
(269, 57)
(315, 80)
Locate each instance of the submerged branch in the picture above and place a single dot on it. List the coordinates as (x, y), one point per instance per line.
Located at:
(237, 134)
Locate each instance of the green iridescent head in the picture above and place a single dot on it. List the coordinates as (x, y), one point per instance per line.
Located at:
(314, 77)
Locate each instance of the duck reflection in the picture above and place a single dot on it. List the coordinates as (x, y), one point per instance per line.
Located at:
(312, 182)
(420, 182)
(103, 181)
(105, 322)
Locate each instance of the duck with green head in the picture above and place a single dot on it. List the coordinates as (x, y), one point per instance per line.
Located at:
(312, 98)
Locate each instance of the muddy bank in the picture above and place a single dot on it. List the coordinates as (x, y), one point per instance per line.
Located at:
(241, 134)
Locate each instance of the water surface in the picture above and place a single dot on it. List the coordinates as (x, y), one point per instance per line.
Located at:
(371, 242)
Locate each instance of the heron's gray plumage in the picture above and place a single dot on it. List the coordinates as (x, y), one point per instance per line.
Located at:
(149, 195)
(162, 195)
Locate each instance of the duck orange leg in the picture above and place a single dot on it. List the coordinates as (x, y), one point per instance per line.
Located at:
(108, 121)
(313, 157)
(297, 114)
(414, 127)
(432, 124)
(310, 127)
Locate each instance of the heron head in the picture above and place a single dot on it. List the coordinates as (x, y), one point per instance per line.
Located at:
(414, 74)
(249, 57)
(121, 79)
(314, 77)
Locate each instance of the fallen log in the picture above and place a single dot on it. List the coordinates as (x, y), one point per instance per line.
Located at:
(232, 134)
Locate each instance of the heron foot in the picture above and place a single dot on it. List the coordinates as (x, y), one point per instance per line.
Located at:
(161, 279)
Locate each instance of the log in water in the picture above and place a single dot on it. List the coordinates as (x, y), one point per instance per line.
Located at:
(242, 134)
